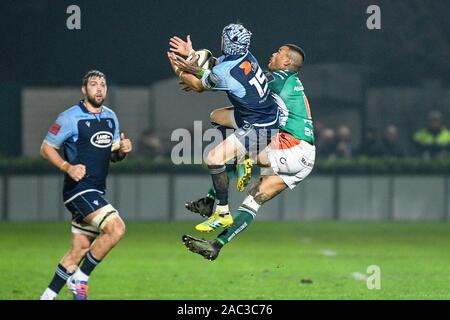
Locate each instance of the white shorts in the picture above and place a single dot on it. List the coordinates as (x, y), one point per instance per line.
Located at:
(292, 164)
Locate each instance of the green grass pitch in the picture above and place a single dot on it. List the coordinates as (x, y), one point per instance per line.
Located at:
(270, 260)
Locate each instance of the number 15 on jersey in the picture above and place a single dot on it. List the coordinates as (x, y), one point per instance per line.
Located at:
(258, 81)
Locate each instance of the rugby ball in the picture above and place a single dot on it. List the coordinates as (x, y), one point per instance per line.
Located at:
(205, 59)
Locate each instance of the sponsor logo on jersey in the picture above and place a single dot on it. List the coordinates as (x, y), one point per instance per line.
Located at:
(102, 139)
(307, 163)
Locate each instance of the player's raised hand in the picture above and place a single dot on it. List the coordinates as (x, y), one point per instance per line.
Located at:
(173, 62)
(125, 144)
(180, 46)
(77, 172)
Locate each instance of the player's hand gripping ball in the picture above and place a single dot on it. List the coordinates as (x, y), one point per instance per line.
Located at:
(204, 59)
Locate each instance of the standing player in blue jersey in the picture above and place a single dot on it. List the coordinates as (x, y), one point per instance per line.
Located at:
(255, 110)
(90, 137)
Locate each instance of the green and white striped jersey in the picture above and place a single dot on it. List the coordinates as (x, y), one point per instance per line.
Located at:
(295, 117)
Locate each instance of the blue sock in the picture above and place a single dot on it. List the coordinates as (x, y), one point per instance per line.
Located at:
(59, 279)
(89, 264)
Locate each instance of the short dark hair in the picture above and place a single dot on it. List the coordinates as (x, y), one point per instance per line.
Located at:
(297, 49)
(92, 73)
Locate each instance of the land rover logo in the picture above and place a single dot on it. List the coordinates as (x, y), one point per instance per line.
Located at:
(102, 139)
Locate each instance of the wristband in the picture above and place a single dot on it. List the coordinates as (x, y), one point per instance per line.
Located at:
(62, 166)
(202, 72)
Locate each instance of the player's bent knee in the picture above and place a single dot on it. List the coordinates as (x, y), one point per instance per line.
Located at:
(212, 117)
(214, 159)
(115, 228)
(119, 228)
(106, 220)
(210, 160)
(215, 117)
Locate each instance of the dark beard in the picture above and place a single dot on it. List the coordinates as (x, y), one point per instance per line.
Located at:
(94, 103)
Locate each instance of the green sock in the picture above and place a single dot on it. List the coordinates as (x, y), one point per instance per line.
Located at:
(242, 220)
(231, 171)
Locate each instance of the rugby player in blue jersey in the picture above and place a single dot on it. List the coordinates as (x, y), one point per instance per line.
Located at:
(238, 73)
(89, 135)
(287, 161)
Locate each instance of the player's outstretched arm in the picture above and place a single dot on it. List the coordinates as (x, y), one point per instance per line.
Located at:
(188, 79)
(49, 153)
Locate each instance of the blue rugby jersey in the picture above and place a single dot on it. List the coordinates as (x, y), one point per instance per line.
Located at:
(247, 88)
(87, 139)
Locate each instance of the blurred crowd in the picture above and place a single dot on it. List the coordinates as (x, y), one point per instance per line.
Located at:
(430, 141)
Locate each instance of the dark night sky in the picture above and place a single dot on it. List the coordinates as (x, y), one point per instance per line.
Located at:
(128, 39)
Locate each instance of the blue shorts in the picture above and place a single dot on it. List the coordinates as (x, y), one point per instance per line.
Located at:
(255, 139)
(84, 204)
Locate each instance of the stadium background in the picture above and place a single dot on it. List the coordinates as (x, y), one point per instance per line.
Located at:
(353, 76)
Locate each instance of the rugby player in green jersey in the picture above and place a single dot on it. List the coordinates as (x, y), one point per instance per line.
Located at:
(285, 162)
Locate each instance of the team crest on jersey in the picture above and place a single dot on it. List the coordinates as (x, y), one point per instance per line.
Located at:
(109, 123)
(88, 123)
(102, 139)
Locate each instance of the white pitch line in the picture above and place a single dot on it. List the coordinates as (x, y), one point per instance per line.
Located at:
(329, 253)
(359, 276)
(305, 240)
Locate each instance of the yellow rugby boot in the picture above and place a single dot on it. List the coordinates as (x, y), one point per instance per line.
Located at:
(244, 171)
(220, 218)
